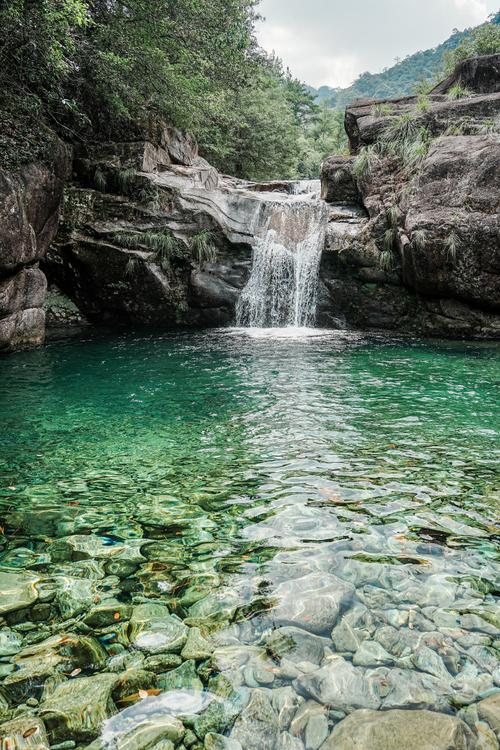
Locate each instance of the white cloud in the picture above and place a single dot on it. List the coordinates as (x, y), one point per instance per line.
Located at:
(333, 41)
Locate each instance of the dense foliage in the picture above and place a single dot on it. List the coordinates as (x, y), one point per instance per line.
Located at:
(424, 66)
(100, 69)
(485, 40)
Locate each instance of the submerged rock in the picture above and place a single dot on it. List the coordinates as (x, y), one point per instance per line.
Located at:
(77, 709)
(17, 591)
(154, 630)
(157, 732)
(24, 733)
(10, 642)
(489, 711)
(312, 602)
(400, 730)
(219, 742)
(38, 663)
(257, 726)
(197, 647)
(341, 686)
(296, 645)
(184, 678)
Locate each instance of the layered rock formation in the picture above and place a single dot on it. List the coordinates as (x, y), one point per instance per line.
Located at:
(152, 234)
(29, 217)
(426, 257)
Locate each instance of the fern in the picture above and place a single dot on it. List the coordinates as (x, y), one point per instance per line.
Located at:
(203, 247)
(100, 179)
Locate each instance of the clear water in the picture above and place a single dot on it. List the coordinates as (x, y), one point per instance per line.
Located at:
(238, 462)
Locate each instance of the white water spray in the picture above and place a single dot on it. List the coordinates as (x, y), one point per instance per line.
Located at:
(282, 289)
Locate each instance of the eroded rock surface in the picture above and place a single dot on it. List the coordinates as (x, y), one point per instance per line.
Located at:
(29, 216)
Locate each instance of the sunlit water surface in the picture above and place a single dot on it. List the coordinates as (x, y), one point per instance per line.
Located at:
(252, 481)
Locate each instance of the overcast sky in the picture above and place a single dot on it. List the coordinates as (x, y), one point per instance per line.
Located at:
(333, 41)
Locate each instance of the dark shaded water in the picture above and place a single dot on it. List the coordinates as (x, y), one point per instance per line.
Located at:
(263, 487)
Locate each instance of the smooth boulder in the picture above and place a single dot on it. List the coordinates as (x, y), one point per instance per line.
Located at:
(400, 730)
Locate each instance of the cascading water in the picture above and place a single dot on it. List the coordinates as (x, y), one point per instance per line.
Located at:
(282, 288)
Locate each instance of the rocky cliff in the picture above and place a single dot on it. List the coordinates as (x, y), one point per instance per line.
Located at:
(424, 254)
(147, 232)
(29, 215)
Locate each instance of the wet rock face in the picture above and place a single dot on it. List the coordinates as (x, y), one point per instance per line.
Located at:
(29, 215)
(151, 245)
(427, 259)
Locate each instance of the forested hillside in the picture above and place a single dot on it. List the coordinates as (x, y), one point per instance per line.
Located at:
(402, 79)
(98, 70)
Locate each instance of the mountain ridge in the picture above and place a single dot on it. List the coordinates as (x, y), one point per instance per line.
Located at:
(399, 79)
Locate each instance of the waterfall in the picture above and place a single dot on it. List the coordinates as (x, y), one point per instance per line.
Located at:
(287, 249)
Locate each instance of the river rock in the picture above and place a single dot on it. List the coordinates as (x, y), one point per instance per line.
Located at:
(130, 682)
(256, 728)
(159, 663)
(407, 688)
(10, 642)
(197, 647)
(78, 708)
(489, 711)
(75, 596)
(219, 606)
(154, 630)
(219, 742)
(316, 731)
(355, 626)
(17, 591)
(287, 742)
(286, 702)
(400, 730)
(108, 613)
(312, 602)
(24, 733)
(340, 685)
(35, 664)
(296, 644)
(150, 733)
(184, 678)
(372, 654)
(226, 704)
